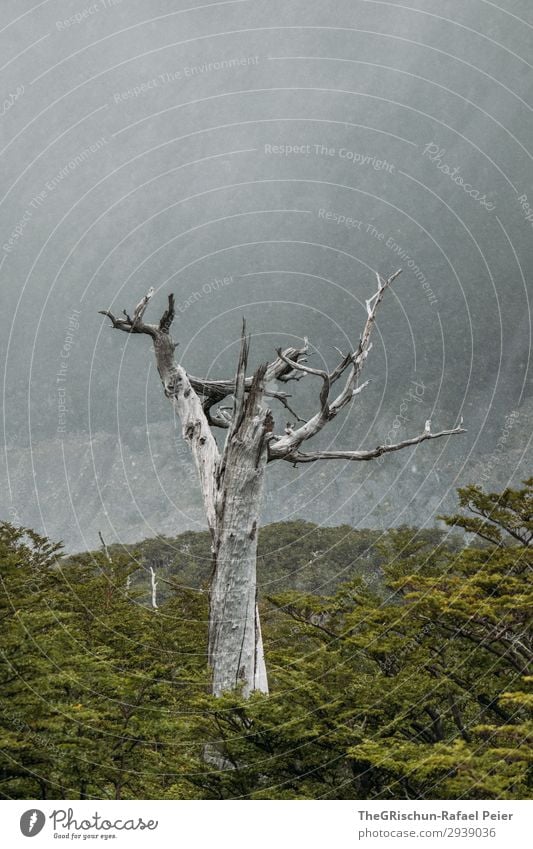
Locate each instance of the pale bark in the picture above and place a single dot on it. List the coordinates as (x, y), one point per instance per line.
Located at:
(153, 582)
(234, 636)
(311, 457)
(261, 679)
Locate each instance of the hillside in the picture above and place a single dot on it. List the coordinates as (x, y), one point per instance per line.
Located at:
(299, 556)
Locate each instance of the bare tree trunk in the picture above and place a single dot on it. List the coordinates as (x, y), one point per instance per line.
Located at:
(232, 487)
(154, 587)
(235, 644)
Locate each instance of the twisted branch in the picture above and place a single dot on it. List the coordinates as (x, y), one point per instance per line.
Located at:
(301, 457)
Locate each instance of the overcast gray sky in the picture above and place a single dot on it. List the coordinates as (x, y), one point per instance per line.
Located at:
(261, 159)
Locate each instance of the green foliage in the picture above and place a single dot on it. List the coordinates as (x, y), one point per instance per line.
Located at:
(497, 517)
(410, 679)
(95, 685)
(291, 555)
(411, 689)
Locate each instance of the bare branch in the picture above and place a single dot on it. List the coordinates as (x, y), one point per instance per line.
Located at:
(168, 316)
(127, 325)
(282, 398)
(341, 368)
(212, 392)
(281, 370)
(323, 416)
(135, 324)
(353, 362)
(300, 457)
(240, 384)
(104, 547)
(140, 309)
(300, 367)
(179, 390)
(218, 418)
(245, 404)
(222, 416)
(363, 349)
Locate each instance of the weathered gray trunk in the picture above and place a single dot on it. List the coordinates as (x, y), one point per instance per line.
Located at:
(232, 487)
(235, 645)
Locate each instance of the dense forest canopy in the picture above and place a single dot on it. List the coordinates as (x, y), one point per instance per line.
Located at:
(399, 665)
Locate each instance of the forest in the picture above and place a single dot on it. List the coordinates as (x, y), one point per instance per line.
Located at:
(399, 665)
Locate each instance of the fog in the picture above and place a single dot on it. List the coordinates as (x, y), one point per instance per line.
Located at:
(262, 160)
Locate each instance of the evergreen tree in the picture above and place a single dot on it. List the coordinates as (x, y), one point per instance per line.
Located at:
(411, 682)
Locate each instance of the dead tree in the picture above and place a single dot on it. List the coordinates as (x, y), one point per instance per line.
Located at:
(153, 584)
(232, 477)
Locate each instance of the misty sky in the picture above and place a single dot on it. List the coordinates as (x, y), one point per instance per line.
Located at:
(261, 159)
